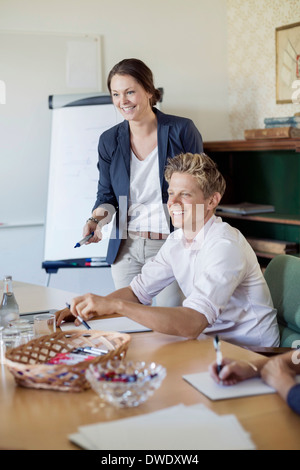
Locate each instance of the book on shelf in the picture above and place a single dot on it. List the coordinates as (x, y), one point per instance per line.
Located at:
(278, 247)
(271, 126)
(245, 208)
(272, 133)
(293, 121)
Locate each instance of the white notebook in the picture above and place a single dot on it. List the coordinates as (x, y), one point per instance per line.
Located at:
(120, 324)
(205, 384)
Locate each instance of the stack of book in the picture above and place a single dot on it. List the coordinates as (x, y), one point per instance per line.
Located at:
(276, 128)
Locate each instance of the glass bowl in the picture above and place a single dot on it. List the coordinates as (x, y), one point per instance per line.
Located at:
(125, 384)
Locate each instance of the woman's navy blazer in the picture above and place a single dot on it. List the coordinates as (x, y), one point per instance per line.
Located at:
(174, 135)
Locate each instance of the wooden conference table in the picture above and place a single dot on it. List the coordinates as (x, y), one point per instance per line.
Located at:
(42, 419)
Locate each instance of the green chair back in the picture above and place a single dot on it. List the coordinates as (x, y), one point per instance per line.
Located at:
(283, 278)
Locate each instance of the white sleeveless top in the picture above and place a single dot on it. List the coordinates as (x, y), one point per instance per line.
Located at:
(146, 211)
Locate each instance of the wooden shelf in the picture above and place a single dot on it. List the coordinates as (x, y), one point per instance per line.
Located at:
(264, 171)
(264, 254)
(252, 145)
(273, 218)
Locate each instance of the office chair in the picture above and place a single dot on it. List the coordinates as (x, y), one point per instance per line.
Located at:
(283, 278)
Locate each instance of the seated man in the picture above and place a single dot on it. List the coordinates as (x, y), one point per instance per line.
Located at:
(217, 270)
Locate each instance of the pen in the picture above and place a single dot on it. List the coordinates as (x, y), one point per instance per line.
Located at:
(84, 240)
(95, 260)
(92, 351)
(81, 319)
(94, 263)
(218, 353)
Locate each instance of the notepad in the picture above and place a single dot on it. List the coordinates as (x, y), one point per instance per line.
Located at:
(120, 324)
(178, 427)
(204, 383)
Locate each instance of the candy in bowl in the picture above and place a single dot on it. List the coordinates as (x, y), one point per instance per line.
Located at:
(125, 384)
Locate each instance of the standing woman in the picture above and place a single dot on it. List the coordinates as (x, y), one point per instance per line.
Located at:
(132, 159)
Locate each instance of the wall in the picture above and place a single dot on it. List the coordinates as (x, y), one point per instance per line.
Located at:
(251, 61)
(185, 44)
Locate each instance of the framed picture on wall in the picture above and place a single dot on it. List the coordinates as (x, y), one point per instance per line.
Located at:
(287, 61)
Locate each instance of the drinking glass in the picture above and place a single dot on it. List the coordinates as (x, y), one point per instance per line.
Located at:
(44, 324)
(25, 328)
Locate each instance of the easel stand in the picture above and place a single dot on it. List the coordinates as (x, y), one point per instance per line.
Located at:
(51, 267)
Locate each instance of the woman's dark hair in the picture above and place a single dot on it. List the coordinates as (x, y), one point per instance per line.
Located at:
(140, 72)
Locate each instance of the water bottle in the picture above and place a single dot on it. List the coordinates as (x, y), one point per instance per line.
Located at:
(9, 308)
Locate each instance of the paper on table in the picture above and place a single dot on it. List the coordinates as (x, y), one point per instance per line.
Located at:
(81, 441)
(178, 427)
(85, 438)
(121, 324)
(205, 384)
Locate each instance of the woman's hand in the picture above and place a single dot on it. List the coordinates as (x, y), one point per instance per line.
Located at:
(232, 372)
(90, 227)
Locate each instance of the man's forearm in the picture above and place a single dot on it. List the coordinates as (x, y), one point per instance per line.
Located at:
(179, 321)
(126, 293)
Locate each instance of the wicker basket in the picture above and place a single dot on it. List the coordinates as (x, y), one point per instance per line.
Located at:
(28, 362)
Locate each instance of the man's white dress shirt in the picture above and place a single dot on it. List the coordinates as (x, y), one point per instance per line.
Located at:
(220, 277)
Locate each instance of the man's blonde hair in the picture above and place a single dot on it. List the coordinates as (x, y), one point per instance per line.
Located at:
(202, 167)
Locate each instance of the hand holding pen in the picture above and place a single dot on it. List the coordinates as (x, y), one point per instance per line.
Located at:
(228, 371)
(84, 240)
(93, 236)
(80, 319)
